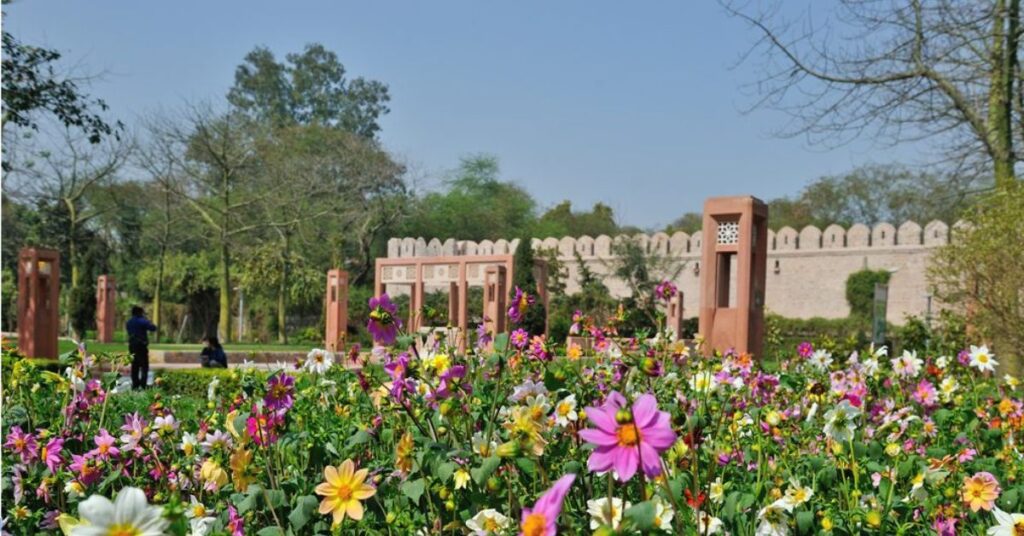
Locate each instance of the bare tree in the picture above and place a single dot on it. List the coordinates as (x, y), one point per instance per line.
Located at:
(898, 71)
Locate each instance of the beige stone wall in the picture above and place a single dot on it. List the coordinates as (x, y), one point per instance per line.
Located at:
(807, 269)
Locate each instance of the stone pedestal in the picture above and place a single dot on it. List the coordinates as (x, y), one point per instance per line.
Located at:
(336, 300)
(495, 299)
(38, 298)
(733, 274)
(106, 308)
(674, 318)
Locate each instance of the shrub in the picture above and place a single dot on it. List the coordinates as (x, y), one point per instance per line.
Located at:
(860, 290)
(195, 382)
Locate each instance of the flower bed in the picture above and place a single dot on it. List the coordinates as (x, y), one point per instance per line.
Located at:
(638, 436)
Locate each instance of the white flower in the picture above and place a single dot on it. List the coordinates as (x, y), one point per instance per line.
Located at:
(75, 376)
(601, 513)
(839, 421)
(702, 382)
(982, 359)
(796, 494)
(211, 390)
(165, 425)
(907, 365)
(189, 441)
(565, 411)
(947, 388)
(201, 526)
(880, 352)
(773, 520)
(195, 508)
(821, 360)
(717, 491)
(942, 361)
(663, 515)
(129, 513)
(1011, 381)
(1009, 524)
(527, 389)
(482, 447)
(869, 366)
(74, 489)
(708, 524)
(489, 521)
(318, 361)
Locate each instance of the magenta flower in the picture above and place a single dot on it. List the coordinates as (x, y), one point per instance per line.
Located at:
(577, 321)
(805, 350)
(383, 323)
(542, 519)
(925, 394)
(280, 392)
(105, 448)
(520, 338)
(236, 525)
(665, 291)
(50, 454)
(86, 469)
(626, 439)
(23, 444)
(521, 301)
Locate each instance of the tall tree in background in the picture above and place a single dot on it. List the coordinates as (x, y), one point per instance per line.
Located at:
(307, 88)
(561, 220)
(901, 71)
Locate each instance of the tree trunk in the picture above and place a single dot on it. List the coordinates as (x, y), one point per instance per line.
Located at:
(282, 292)
(158, 291)
(224, 322)
(1000, 111)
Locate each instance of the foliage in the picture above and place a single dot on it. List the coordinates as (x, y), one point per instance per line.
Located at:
(982, 269)
(561, 221)
(860, 291)
(641, 271)
(833, 444)
(523, 277)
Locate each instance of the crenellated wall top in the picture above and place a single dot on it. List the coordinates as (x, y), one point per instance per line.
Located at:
(909, 234)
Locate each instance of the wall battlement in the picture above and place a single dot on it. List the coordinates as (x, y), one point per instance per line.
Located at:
(807, 269)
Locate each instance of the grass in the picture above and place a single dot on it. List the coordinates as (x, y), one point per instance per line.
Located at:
(64, 346)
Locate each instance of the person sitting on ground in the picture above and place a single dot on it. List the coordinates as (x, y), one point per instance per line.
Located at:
(213, 355)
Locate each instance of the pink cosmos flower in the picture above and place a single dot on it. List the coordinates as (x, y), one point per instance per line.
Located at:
(626, 439)
(542, 519)
(236, 525)
(925, 394)
(23, 444)
(105, 448)
(87, 470)
(50, 454)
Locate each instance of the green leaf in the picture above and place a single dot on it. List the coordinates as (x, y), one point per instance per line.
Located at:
(805, 522)
(270, 531)
(731, 502)
(641, 515)
(500, 342)
(527, 465)
(359, 438)
(444, 471)
(276, 498)
(405, 341)
(414, 489)
(482, 473)
(299, 515)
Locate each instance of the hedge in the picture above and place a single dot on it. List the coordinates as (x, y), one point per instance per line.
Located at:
(195, 382)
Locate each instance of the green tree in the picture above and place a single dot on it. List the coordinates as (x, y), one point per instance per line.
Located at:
(860, 291)
(307, 88)
(523, 277)
(560, 221)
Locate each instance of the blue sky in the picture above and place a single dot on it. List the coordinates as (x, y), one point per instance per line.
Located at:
(638, 105)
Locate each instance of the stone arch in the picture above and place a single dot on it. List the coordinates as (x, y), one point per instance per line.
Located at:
(603, 246)
(408, 247)
(771, 240)
(449, 247)
(884, 234)
(486, 247)
(679, 244)
(470, 247)
(501, 247)
(585, 246)
(394, 247)
(550, 243)
(936, 233)
(785, 239)
(434, 247)
(659, 243)
(696, 239)
(810, 238)
(566, 246)
(834, 237)
(859, 236)
(909, 234)
(420, 247)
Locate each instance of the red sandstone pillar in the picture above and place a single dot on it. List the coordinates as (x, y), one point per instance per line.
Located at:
(336, 299)
(495, 298)
(106, 308)
(38, 297)
(453, 304)
(674, 318)
(463, 306)
(735, 241)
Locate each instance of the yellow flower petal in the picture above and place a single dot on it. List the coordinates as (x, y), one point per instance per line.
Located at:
(355, 510)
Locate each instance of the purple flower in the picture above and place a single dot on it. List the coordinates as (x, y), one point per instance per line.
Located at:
(520, 338)
(50, 454)
(383, 323)
(105, 448)
(805, 350)
(665, 291)
(542, 519)
(483, 337)
(521, 301)
(280, 392)
(23, 444)
(627, 439)
(451, 378)
(236, 525)
(397, 367)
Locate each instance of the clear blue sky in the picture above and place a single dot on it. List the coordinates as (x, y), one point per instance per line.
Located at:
(634, 104)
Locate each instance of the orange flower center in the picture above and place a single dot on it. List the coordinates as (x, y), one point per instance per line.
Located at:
(344, 492)
(629, 436)
(1018, 528)
(534, 525)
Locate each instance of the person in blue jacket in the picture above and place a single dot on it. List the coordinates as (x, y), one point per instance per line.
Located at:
(138, 328)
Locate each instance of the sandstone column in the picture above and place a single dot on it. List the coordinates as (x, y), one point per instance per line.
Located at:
(38, 297)
(336, 300)
(106, 308)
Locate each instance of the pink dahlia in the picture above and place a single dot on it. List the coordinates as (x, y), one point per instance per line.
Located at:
(383, 323)
(626, 439)
(542, 519)
(23, 444)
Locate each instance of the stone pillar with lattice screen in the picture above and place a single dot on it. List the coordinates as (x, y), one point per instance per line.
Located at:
(38, 297)
(336, 309)
(733, 274)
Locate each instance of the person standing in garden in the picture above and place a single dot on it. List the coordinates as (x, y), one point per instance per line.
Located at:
(138, 328)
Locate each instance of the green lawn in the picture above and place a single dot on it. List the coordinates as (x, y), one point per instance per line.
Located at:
(67, 346)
